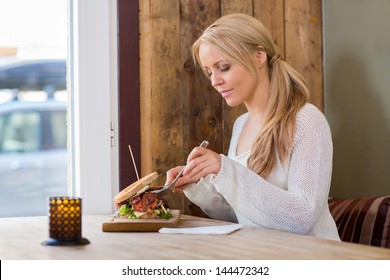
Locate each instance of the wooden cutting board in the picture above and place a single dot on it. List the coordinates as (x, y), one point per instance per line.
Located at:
(128, 225)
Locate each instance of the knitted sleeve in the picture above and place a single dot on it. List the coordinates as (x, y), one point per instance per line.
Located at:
(210, 201)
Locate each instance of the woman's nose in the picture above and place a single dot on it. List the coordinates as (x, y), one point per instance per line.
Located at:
(216, 80)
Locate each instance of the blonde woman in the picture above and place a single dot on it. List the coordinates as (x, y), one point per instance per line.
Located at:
(278, 170)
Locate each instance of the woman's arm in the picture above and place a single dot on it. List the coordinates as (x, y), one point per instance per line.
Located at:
(210, 201)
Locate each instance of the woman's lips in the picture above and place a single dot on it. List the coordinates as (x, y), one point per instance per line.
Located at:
(225, 93)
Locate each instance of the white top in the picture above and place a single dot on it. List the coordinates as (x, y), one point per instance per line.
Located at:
(293, 197)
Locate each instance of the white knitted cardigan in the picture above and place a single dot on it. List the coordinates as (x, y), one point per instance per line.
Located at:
(293, 198)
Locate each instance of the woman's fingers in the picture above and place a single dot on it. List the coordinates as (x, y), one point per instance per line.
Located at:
(200, 163)
(203, 162)
(172, 173)
(182, 181)
(196, 152)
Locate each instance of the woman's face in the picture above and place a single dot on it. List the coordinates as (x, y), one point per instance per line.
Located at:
(230, 79)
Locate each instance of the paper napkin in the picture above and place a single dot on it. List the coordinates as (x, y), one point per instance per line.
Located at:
(226, 229)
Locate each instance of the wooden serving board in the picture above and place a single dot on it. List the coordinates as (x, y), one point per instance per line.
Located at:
(127, 225)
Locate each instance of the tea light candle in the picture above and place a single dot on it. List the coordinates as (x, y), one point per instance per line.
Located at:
(65, 222)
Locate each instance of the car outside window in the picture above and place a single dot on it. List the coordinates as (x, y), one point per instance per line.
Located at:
(33, 156)
(21, 132)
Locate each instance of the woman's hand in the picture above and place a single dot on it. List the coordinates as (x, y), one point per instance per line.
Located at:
(182, 182)
(200, 163)
(171, 175)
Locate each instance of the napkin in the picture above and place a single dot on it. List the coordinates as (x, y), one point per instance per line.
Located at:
(226, 229)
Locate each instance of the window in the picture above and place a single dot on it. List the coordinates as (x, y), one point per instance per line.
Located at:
(91, 103)
(33, 105)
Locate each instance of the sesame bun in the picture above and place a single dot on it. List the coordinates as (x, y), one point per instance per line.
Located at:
(135, 188)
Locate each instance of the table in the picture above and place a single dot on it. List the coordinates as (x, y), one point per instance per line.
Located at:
(20, 238)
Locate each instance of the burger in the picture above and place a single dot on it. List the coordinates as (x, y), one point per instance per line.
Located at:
(137, 202)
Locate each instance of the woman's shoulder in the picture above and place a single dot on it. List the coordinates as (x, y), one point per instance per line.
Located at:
(310, 114)
(310, 118)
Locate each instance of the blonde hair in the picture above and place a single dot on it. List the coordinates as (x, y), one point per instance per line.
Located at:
(238, 36)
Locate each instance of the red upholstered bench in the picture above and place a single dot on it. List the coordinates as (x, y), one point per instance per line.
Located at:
(364, 220)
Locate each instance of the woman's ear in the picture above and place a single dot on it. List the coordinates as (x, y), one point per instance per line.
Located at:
(261, 57)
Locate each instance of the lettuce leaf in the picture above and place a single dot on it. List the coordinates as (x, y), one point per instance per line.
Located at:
(128, 211)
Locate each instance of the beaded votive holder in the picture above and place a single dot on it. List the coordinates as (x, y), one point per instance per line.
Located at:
(65, 222)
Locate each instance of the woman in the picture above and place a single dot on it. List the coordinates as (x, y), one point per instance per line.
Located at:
(278, 170)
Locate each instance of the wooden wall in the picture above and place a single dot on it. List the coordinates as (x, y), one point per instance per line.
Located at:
(179, 108)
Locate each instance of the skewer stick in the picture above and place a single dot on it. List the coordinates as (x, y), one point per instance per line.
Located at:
(135, 166)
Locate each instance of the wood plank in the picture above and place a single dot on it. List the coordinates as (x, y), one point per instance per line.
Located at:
(271, 14)
(202, 118)
(140, 225)
(161, 128)
(304, 44)
(161, 97)
(146, 41)
(237, 6)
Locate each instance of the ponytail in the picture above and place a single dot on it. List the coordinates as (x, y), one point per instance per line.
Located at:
(287, 94)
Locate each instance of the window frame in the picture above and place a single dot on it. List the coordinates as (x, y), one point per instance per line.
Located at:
(92, 110)
(129, 81)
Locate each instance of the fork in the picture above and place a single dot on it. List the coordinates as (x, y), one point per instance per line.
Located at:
(204, 144)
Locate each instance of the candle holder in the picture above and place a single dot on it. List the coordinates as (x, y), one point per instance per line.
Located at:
(65, 222)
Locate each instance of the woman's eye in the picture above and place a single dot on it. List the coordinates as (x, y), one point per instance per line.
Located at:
(225, 68)
(222, 68)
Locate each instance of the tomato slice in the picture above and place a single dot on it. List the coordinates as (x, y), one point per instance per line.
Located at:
(138, 206)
